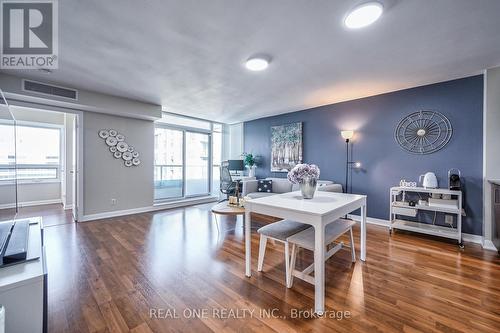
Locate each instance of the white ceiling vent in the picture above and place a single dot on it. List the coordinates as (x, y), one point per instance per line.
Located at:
(48, 89)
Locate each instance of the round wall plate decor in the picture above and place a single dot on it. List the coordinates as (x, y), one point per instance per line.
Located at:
(112, 132)
(120, 137)
(130, 148)
(135, 154)
(112, 149)
(122, 146)
(117, 154)
(127, 156)
(423, 132)
(128, 163)
(103, 134)
(111, 141)
(136, 161)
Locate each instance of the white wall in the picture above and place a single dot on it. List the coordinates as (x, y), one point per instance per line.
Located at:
(235, 141)
(106, 178)
(491, 144)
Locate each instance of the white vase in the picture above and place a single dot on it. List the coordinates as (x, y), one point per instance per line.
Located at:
(251, 171)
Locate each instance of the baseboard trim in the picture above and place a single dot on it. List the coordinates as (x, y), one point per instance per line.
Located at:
(68, 207)
(155, 207)
(371, 220)
(31, 203)
(477, 239)
(488, 245)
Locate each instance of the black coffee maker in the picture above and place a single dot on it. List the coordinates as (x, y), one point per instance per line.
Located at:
(454, 182)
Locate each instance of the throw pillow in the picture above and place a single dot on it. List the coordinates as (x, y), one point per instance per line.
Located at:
(265, 186)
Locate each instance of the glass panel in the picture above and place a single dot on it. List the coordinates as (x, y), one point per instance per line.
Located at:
(168, 163)
(9, 174)
(38, 145)
(170, 119)
(216, 160)
(8, 159)
(197, 159)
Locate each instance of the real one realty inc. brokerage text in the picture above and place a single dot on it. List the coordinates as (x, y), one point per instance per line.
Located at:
(229, 313)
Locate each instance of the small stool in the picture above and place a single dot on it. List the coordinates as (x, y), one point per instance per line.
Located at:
(278, 231)
(305, 239)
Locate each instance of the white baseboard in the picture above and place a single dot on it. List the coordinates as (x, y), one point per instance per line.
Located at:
(477, 239)
(156, 207)
(68, 207)
(371, 220)
(488, 245)
(31, 203)
(115, 213)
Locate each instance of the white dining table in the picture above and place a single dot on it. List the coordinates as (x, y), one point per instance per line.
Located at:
(323, 209)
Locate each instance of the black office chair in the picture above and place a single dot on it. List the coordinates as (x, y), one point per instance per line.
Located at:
(227, 185)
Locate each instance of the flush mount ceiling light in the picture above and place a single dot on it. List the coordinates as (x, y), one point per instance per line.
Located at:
(363, 15)
(257, 63)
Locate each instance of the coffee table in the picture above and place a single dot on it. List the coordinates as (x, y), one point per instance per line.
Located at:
(223, 208)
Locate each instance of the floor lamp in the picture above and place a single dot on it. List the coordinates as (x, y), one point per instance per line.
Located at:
(348, 135)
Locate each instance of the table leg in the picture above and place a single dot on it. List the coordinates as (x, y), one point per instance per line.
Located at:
(319, 269)
(363, 233)
(247, 221)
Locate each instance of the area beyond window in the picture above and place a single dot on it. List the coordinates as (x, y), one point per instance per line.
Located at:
(38, 153)
(187, 157)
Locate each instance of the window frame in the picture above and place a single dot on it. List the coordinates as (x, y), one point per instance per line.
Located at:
(184, 129)
(18, 166)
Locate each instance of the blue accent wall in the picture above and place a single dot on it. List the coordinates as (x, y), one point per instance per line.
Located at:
(384, 163)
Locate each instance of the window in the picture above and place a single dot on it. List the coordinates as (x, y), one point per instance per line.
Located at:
(187, 157)
(37, 156)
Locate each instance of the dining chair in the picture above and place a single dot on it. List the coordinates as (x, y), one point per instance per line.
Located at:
(305, 240)
(278, 231)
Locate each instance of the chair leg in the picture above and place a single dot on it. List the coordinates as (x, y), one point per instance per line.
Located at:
(287, 261)
(262, 252)
(353, 252)
(293, 257)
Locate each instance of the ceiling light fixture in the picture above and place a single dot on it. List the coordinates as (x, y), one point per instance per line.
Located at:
(363, 15)
(257, 63)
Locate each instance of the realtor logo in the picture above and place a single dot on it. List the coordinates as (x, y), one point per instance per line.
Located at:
(29, 34)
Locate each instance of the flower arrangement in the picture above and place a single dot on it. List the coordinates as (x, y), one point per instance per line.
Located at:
(302, 171)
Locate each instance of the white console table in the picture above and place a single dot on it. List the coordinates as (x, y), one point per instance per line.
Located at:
(23, 287)
(398, 222)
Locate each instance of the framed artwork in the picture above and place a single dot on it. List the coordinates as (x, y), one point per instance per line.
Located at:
(286, 147)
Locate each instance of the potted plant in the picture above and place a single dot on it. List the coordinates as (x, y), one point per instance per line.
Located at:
(306, 175)
(250, 163)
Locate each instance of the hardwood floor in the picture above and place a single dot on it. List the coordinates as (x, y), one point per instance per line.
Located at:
(111, 275)
(52, 214)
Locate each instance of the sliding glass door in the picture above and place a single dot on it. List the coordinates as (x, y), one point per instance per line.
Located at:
(182, 163)
(197, 163)
(169, 163)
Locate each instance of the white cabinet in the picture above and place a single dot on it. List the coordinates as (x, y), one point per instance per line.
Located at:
(23, 288)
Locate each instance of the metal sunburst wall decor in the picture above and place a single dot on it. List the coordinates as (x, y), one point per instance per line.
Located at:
(423, 132)
(119, 148)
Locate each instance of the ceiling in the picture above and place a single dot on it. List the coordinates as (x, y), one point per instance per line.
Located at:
(188, 55)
